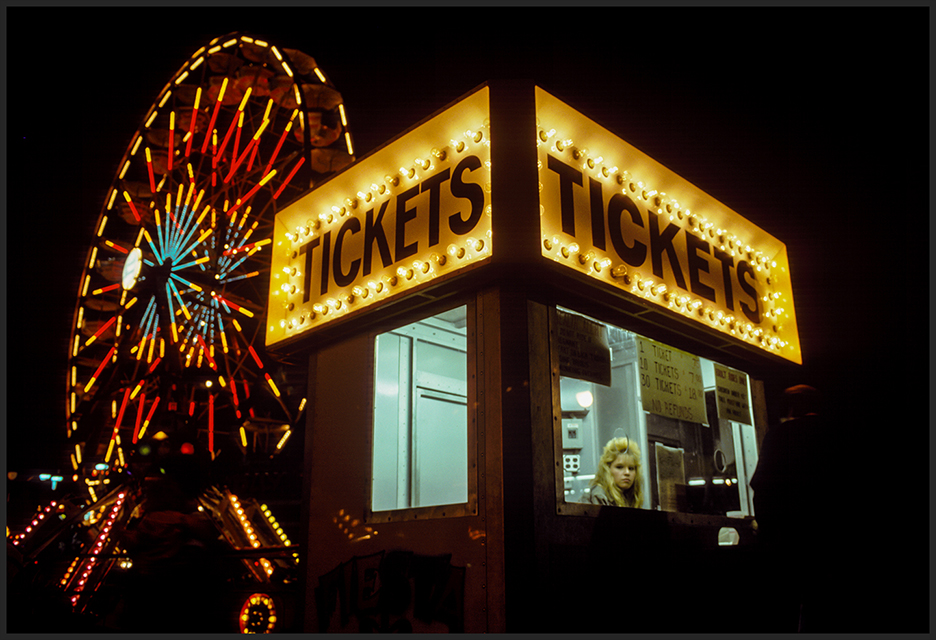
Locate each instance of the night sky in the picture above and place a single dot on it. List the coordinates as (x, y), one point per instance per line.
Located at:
(813, 124)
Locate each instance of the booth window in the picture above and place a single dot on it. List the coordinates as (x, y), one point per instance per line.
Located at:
(420, 441)
(688, 418)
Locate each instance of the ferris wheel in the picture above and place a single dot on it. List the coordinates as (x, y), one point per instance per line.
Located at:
(168, 327)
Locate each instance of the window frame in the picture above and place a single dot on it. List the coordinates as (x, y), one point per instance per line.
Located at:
(470, 506)
(583, 509)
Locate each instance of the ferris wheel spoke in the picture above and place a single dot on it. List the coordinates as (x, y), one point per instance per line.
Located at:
(176, 250)
(149, 169)
(243, 156)
(253, 191)
(97, 334)
(114, 434)
(194, 121)
(136, 214)
(279, 144)
(156, 252)
(182, 306)
(149, 417)
(214, 114)
(237, 123)
(116, 247)
(211, 361)
(289, 178)
(100, 369)
(141, 405)
(252, 274)
(110, 287)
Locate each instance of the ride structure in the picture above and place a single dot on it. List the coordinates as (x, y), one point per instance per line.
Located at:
(167, 343)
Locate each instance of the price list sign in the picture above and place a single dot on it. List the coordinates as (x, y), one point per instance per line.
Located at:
(731, 388)
(670, 382)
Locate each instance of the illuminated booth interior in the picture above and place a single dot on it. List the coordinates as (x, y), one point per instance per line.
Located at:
(485, 302)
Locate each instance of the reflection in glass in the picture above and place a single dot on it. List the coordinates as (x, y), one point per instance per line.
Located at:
(682, 466)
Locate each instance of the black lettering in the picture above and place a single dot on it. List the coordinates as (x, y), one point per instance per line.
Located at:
(727, 263)
(752, 314)
(567, 176)
(660, 243)
(597, 214)
(308, 249)
(344, 279)
(473, 192)
(404, 215)
(636, 254)
(373, 230)
(697, 263)
(432, 185)
(326, 250)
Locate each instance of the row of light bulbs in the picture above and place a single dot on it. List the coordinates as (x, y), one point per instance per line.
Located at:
(244, 522)
(99, 542)
(38, 518)
(364, 196)
(408, 274)
(264, 624)
(649, 288)
(659, 292)
(661, 203)
(275, 525)
(403, 278)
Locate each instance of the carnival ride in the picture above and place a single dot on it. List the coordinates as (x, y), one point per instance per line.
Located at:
(167, 343)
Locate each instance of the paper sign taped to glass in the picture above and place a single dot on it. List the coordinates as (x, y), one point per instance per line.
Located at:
(671, 382)
(731, 395)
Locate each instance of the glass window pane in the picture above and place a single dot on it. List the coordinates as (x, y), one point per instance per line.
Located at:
(420, 455)
(441, 470)
(666, 431)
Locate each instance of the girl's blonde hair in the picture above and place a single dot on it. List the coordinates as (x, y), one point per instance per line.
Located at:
(632, 497)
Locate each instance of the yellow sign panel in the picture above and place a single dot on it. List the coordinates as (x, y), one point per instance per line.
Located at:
(417, 209)
(613, 213)
(670, 382)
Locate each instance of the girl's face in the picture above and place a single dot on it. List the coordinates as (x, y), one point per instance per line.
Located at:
(624, 471)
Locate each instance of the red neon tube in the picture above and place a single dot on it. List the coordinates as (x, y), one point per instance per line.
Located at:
(255, 356)
(120, 414)
(211, 422)
(214, 118)
(139, 419)
(288, 178)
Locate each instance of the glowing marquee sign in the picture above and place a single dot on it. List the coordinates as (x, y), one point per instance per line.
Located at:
(616, 215)
(417, 209)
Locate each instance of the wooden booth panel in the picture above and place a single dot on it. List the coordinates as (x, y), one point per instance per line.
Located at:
(423, 569)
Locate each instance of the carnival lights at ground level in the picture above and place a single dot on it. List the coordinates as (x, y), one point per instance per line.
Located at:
(92, 562)
(258, 614)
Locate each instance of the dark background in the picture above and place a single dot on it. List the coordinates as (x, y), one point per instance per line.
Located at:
(811, 123)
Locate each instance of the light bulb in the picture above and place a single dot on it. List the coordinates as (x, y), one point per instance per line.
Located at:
(585, 399)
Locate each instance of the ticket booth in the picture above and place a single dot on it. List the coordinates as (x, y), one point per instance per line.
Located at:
(485, 303)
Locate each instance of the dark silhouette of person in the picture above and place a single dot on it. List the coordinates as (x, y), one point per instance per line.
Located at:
(795, 473)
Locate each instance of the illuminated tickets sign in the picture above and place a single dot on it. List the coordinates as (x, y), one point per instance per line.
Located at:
(417, 209)
(618, 216)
